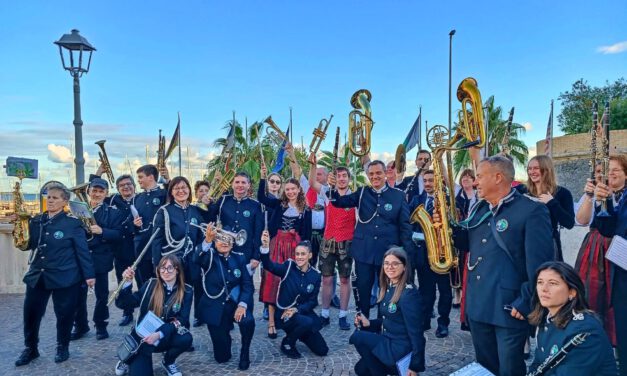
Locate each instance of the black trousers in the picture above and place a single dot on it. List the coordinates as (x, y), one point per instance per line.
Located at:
(172, 345)
(305, 328)
(35, 302)
(369, 364)
(366, 275)
(221, 334)
(120, 263)
(101, 310)
(619, 301)
(428, 282)
(500, 350)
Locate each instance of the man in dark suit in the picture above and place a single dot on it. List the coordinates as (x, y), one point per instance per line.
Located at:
(428, 279)
(414, 185)
(509, 237)
(382, 221)
(101, 237)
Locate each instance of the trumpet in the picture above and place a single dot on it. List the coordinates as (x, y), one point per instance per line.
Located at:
(274, 132)
(319, 134)
(104, 160)
(239, 237)
(360, 123)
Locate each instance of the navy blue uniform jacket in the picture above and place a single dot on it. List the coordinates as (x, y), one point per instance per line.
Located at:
(389, 224)
(129, 299)
(593, 357)
(62, 258)
(147, 203)
(244, 214)
(101, 245)
(494, 279)
(223, 279)
(183, 222)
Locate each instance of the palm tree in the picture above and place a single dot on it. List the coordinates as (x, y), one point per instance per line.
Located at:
(497, 127)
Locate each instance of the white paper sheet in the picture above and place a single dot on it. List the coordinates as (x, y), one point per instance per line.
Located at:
(149, 324)
(617, 252)
(473, 369)
(403, 365)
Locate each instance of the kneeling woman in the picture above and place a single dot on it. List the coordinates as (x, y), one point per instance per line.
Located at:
(563, 319)
(227, 295)
(169, 298)
(296, 299)
(397, 332)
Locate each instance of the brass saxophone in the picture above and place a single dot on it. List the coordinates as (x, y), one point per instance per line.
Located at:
(360, 123)
(21, 232)
(440, 250)
(438, 235)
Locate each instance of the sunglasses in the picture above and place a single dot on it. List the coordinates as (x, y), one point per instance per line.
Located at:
(274, 181)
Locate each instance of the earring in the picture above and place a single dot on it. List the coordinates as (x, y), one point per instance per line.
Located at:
(570, 298)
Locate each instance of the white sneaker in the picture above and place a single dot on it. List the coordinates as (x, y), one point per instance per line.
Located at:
(171, 369)
(121, 368)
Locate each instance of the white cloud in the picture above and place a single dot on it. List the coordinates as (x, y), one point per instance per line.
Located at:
(59, 154)
(527, 126)
(615, 48)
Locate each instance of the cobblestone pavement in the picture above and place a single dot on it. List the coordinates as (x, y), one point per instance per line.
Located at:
(91, 357)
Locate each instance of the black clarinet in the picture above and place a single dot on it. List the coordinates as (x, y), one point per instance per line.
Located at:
(356, 296)
(555, 359)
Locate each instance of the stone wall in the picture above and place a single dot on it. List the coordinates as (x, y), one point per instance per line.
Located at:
(571, 155)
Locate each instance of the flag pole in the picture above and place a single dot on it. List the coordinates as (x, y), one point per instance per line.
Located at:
(180, 159)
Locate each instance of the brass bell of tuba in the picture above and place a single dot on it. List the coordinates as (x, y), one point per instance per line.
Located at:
(471, 125)
(105, 162)
(360, 123)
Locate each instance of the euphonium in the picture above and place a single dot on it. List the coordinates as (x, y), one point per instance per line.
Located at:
(21, 232)
(440, 250)
(360, 123)
(105, 162)
(472, 126)
(219, 188)
(80, 191)
(274, 132)
(319, 134)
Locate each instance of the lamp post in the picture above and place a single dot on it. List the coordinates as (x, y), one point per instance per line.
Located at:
(71, 48)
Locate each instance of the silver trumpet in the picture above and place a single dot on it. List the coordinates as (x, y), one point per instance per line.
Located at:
(239, 237)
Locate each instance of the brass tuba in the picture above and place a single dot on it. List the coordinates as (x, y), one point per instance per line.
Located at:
(105, 162)
(21, 232)
(319, 134)
(220, 187)
(274, 132)
(471, 125)
(360, 123)
(440, 251)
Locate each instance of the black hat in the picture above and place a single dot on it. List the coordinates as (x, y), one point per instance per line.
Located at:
(98, 182)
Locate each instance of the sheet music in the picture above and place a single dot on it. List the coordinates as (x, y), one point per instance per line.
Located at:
(149, 324)
(80, 209)
(403, 365)
(617, 252)
(473, 369)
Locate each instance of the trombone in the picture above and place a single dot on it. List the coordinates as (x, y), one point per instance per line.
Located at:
(104, 160)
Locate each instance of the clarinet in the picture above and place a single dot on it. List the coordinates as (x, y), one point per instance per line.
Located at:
(593, 144)
(356, 295)
(555, 359)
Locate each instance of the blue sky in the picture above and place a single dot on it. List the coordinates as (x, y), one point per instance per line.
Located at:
(207, 58)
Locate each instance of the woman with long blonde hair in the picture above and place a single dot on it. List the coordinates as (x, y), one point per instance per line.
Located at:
(542, 186)
(170, 299)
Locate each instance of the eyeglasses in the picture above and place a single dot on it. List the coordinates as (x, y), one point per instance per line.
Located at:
(273, 181)
(393, 264)
(125, 185)
(169, 269)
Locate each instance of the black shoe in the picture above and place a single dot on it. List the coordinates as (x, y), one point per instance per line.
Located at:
(197, 323)
(126, 319)
(63, 354)
(272, 332)
(102, 334)
(335, 302)
(28, 355)
(343, 323)
(78, 333)
(325, 320)
(244, 361)
(289, 350)
(441, 331)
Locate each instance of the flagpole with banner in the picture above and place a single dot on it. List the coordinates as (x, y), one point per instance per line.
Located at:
(178, 127)
(548, 141)
(176, 141)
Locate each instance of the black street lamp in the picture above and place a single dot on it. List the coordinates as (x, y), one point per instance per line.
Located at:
(71, 48)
